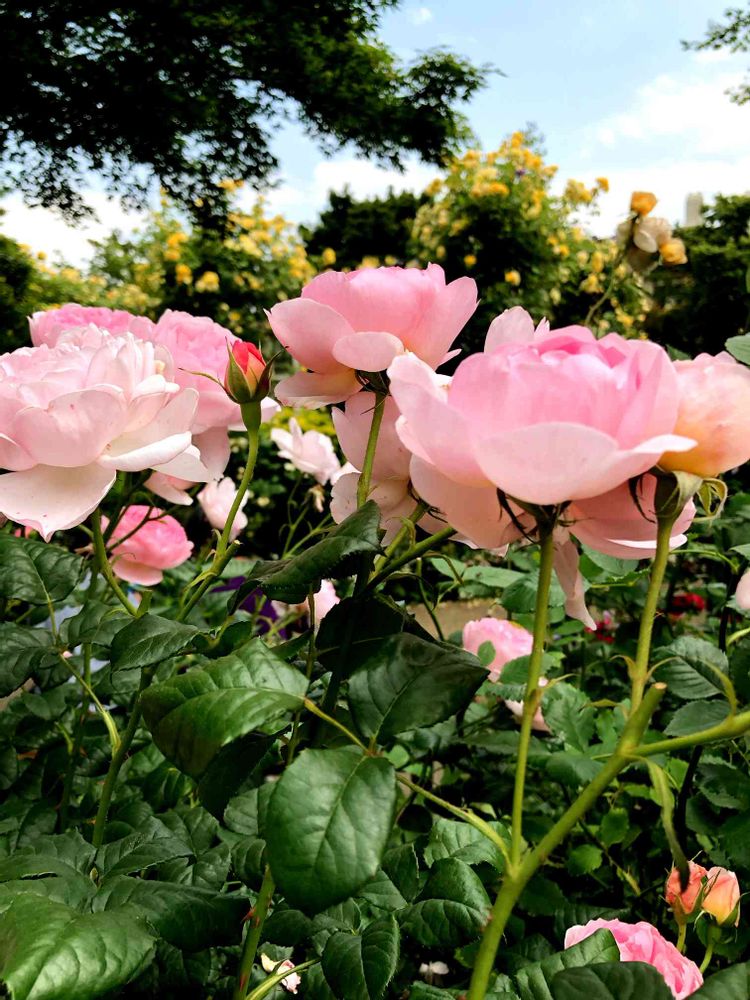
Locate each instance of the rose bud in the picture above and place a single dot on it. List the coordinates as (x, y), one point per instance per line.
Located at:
(722, 896)
(642, 202)
(683, 901)
(247, 377)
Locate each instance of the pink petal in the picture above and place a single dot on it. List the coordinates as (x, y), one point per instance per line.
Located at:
(353, 428)
(162, 440)
(73, 430)
(367, 352)
(49, 499)
(571, 581)
(214, 448)
(310, 389)
(309, 331)
(187, 465)
(170, 488)
(512, 326)
(12, 456)
(126, 567)
(449, 312)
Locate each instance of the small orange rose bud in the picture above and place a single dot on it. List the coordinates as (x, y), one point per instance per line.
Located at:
(642, 202)
(683, 901)
(722, 896)
(247, 378)
(673, 252)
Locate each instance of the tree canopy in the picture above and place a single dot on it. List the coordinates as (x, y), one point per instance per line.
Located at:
(732, 33)
(190, 92)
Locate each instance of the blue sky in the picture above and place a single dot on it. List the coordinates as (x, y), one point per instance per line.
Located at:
(607, 83)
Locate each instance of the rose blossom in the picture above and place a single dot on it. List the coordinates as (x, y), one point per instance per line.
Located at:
(46, 327)
(290, 983)
(309, 451)
(508, 640)
(359, 321)
(714, 410)
(537, 722)
(243, 374)
(216, 500)
(549, 417)
(682, 900)
(157, 545)
(722, 896)
(641, 942)
(74, 414)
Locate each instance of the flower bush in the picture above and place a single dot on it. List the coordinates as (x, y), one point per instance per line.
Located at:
(240, 755)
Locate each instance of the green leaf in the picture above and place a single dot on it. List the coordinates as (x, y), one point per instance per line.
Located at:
(729, 984)
(331, 814)
(187, 916)
(584, 859)
(192, 716)
(231, 768)
(49, 951)
(95, 622)
(64, 855)
(409, 683)
(290, 580)
(612, 981)
(694, 669)
(400, 865)
(37, 572)
(570, 715)
(520, 596)
(451, 909)
(382, 894)
(138, 852)
(533, 981)
(25, 650)
(573, 767)
(614, 827)
(491, 577)
(739, 347)
(148, 640)
(359, 967)
(451, 838)
(696, 716)
(287, 927)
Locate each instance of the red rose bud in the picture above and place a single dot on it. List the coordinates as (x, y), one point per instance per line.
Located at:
(247, 378)
(685, 901)
(721, 896)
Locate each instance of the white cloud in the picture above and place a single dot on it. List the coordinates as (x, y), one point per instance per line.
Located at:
(420, 15)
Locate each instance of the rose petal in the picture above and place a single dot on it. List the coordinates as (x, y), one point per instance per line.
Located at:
(48, 499)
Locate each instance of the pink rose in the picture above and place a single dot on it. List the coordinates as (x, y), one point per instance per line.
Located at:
(681, 900)
(157, 545)
(359, 321)
(537, 722)
(392, 497)
(74, 414)
(244, 372)
(46, 327)
(714, 410)
(309, 451)
(508, 640)
(742, 594)
(560, 417)
(722, 896)
(216, 500)
(290, 983)
(642, 942)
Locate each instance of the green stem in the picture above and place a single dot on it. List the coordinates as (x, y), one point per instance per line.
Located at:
(254, 931)
(731, 727)
(224, 548)
(712, 937)
(681, 936)
(118, 759)
(75, 749)
(531, 698)
(416, 550)
(363, 487)
(105, 566)
(294, 740)
(515, 882)
(594, 309)
(273, 981)
(658, 569)
(406, 528)
(312, 707)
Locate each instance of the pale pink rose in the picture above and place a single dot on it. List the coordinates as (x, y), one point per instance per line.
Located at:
(216, 500)
(641, 942)
(290, 983)
(46, 327)
(74, 414)
(309, 451)
(742, 594)
(361, 320)
(566, 568)
(353, 429)
(392, 497)
(537, 723)
(157, 545)
(681, 900)
(714, 410)
(722, 896)
(616, 525)
(325, 597)
(508, 640)
(557, 418)
(170, 488)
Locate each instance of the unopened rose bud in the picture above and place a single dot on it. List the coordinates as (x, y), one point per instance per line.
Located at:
(247, 378)
(722, 896)
(684, 901)
(642, 202)
(673, 252)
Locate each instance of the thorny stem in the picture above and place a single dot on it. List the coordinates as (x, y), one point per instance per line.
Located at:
(257, 918)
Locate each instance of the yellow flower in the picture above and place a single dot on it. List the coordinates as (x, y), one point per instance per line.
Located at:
(41, 255)
(175, 239)
(673, 252)
(642, 202)
(603, 183)
(230, 185)
(370, 262)
(440, 252)
(497, 187)
(555, 296)
(182, 274)
(591, 284)
(208, 282)
(513, 277)
(597, 262)
(582, 257)
(563, 250)
(390, 261)
(433, 187)
(516, 140)
(328, 257)
(470, 260)
(172, 254)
